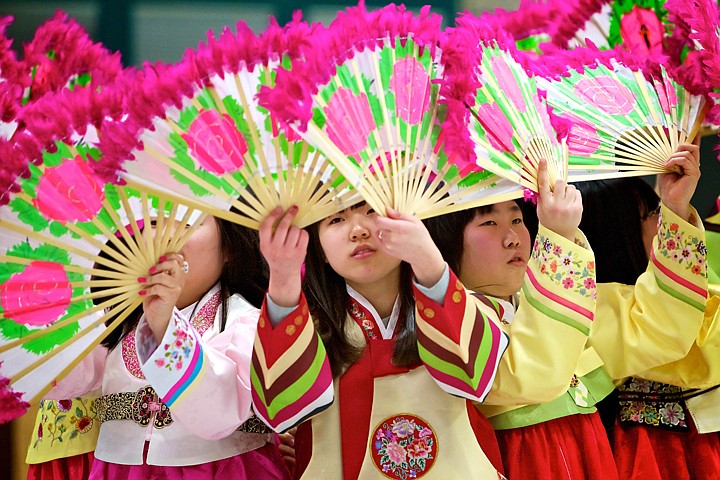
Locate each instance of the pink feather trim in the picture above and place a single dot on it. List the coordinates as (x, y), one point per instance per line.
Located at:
(352, 31)
(12, 405)
(74, 53)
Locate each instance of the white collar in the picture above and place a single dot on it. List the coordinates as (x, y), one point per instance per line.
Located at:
(386, 331)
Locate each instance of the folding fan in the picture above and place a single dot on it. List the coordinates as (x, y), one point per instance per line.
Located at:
(508, 124)
(71, 248)
(368, 100)
(206, 141)
(623, 123)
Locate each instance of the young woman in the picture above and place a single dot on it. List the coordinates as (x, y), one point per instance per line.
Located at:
(563, 438)
(664, 419)
(176, 379)
(360, 350)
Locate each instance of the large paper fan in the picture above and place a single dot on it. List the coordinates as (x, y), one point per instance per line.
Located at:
(71, 250)
(370, 103)
(196, 133)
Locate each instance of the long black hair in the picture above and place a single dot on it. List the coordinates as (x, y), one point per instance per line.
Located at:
(244, 272)
(328, 302)
(613, 213)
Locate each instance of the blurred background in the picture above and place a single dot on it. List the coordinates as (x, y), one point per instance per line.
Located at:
(161, 30)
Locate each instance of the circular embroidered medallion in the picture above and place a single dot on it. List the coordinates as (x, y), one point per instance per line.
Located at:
(403, 446)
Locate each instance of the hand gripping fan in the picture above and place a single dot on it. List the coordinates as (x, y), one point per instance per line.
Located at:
(196, 133)
(71, 247)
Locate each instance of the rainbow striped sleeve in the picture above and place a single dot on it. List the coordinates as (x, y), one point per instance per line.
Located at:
(560, 280)
(290, 372)
(679, 260)
(460, 341)
(178, 364)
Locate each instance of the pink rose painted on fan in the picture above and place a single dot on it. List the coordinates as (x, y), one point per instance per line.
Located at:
(410, 83)
(39, 295)
(666, 95)
(541, 108)
(606, 94)
(499, 130)
(69, 192)
(215, 142)
(583, 138)
(508, 83)
(642, 31)
(349, 120)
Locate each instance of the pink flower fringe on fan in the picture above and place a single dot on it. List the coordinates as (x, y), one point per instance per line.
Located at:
(75, 54)
(10, 68)
(571, 16)
(11, 404)
(702, 18)
(352, 31)
(150, 92)
(461, 59)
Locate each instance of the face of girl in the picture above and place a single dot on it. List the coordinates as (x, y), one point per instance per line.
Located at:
(205, 261)
(349, 242)
(496, 249)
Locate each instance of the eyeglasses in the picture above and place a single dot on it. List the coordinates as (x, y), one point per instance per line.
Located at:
(653, 213)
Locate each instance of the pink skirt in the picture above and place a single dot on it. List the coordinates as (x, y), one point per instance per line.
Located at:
(575, 447)
(264, 463)
(643, 453)
(70, 468)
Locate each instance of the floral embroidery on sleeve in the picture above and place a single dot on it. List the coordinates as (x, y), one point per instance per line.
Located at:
(565, 267)
(684, 249)
(179, 349)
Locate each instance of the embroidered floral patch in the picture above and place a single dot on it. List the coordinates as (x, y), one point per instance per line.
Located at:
(682, 248)
(403, 446)
(64, 420)
(368, 325)
(178, 350)
(564, 267)
(653, 404)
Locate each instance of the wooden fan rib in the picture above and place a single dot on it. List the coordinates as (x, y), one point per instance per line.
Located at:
(115, 323)
(66, 321)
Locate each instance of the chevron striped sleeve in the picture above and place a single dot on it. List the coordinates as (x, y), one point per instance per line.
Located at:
(657, 320)
(290, 372)
(460, 341)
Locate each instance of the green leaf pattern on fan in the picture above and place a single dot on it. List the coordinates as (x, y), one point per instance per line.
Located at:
(379, 105)
(509, 119)
(31, 293)
(618, 114)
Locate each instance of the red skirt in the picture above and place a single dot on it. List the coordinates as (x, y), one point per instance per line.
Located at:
(645, 453)
(70, 468)
(575, 447)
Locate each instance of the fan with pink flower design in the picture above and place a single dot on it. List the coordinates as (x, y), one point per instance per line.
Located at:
(71, 246)
(498, 118)
(623, 123)
(196, 132)
(370, 103)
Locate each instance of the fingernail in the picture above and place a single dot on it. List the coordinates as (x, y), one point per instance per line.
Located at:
(294, 208)
(162, 259)
(152, 269)
(142, 292)
(142, 279)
